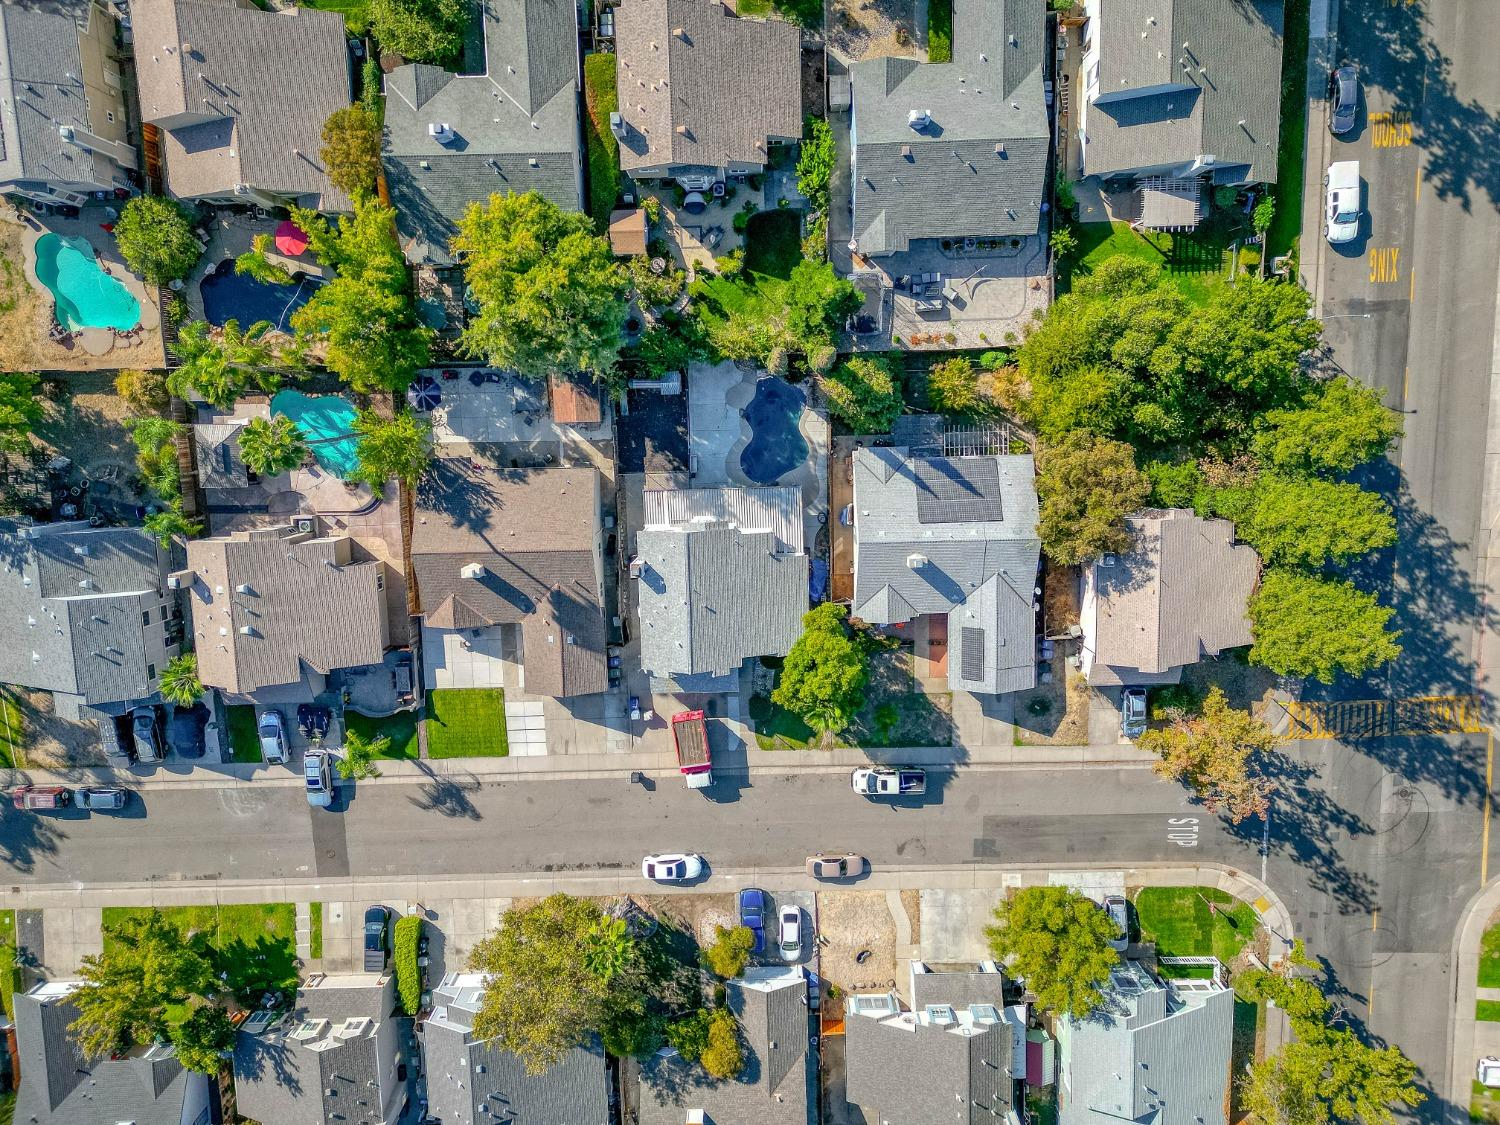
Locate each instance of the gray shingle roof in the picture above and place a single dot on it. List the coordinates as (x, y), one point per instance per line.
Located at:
(918, 549)
(268, 601)
(515, 126)
(67, 638)
(343, 1070)
(778, 1085)
(926, 1068)
(42, 88)
(1149, 1054)
(1160, 105)
(61, 1086)
(534, 534)
(463, 1076)
(699, 87)
(977, 169)
(720, 583)
(241, 95)
(1177, 596)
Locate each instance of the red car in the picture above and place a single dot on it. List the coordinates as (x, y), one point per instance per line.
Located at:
(41, 797)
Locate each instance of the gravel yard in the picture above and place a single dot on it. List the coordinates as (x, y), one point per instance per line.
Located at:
(873, 29)
(852, 921)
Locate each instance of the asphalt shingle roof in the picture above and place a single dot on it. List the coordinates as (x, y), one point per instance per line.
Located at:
(1179, 79)
(977, 169)
(980, 572)
(534, 534)
(1178, 595)
(515, 126)
(701, 88)
(269, 600)
(241, 95)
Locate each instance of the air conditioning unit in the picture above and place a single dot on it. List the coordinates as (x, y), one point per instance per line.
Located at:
(307, 525)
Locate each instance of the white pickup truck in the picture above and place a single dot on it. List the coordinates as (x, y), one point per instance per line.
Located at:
(889, 781)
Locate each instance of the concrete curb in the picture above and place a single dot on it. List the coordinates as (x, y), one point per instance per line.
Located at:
(1464, 969)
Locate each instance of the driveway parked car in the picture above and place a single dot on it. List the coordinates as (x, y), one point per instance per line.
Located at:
(789, 943)
(1343, 87)
(319, 777)
(313, 721)
(377, 938)
(272, 736)
(103, 798)
(146, 730)
(845, 866)
(676, 867)
(1119, 914)
(40, 798)
(1133, 712)
(752, 908)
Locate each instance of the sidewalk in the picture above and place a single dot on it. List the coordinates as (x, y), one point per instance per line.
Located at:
(576, 767)
(1468, 1037)
(1322, 46)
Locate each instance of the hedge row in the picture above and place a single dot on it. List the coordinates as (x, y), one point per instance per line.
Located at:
(408, 972)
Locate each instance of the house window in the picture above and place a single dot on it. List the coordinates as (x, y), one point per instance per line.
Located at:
(379, 581)
(145, 617)
(109, 115)
(150, 671)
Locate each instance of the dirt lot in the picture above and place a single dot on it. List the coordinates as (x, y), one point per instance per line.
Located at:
(895, 713)
(873, 29)
(852, 921)
(23, 313)
(53, 743)
(1055, 714)
(1245, 685)
(695, 914)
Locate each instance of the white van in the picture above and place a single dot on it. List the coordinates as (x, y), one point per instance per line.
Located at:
(1341, 201)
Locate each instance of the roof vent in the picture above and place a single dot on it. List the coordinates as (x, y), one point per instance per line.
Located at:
(919, 119)
(85, 584)
(1000, 149)
(440, 132)
(680, 33)
(915, 561)
(242, 588)
(906, 151)
(681, 130)
(247, 630)
(531, 160)
(617, 125)
(81, 549)
(472, 570)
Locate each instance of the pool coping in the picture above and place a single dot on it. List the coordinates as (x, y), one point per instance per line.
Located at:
(811, 476)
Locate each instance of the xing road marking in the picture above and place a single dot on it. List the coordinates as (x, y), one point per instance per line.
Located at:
(1386, 718)
(1383, 264)
(1391, 130)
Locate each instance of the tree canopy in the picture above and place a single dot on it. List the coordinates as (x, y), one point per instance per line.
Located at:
(1342, 425)
(823, 677)
(221, 368)
(1310, 522)
(550, 294)
(20, 409)
(420, 30)
(729, 952)
(270, 446)
(815, 163)
(1305, 625)
(1214, 753)
(352, 139)
(1057, 940)
(156, 240)
(953, 387)
(169, 523)
(179, 682)
(399, 447)
(1086, 486)
(864, 393)
(358, 760)
(156, 457)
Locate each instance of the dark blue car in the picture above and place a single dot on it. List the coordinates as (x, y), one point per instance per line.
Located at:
(753, 915)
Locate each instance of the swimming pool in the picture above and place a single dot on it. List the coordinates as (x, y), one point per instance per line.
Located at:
(233, 296)
(327, 422)
(85, 296)
(776, 444)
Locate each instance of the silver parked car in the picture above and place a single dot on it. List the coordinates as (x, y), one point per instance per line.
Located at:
(845, 866)
(1343, 89)
(102, 798)
(1119, 913)
(1133, 712)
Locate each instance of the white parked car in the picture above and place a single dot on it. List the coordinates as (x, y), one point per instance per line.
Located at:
(790, 941)
(319, 778)
(1341, 201)
(272, 736)
(1488, 1071)
(676, 867)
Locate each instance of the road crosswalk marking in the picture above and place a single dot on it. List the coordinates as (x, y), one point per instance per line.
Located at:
(1386, 718)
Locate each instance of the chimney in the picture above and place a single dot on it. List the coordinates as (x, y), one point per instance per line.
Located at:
(473, 570)
(440, 132)
(919, 119)
(680, 33)
(916, 561)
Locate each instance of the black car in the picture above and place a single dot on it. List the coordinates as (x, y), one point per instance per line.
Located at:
(313, 721)
(377, 938)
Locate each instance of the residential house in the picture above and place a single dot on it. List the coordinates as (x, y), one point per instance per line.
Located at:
(722, 579)
(87, 613)
(62, 102)
(333, 1059)
(275, 609)
(61, 1085)
(237, 97)
(952, 537)
(509, 566)
(1179, 96)
(1152, 1052)
(476, 1082)
(958, 1055)
(957, 149)
(703, 94)
(778, 1084)
(454, 139)
(1176, 597)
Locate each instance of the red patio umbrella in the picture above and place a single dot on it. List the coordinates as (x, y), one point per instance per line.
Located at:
(290, 240)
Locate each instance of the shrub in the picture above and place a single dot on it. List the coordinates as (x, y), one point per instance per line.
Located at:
(722, 1057)
(156, 240)
(369, 89)
(815, 164)
(404, 954)
(730, 951)
(420, 30)
(1063, 192)
(864, 392)
(144, 391)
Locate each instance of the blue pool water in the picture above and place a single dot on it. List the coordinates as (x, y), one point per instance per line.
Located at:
(327, 422)
(231, 296)
(776, 444)
(85, 296)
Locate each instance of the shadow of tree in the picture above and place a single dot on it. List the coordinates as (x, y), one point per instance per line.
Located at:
(448, 795)
(26, 837)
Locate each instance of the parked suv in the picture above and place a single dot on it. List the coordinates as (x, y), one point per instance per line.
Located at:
(377, 938)
(146, 728)
(41, 797)
(1133, 712)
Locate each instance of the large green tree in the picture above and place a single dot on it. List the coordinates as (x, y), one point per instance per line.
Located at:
(420, 30)
(222, 367)
(1216, 754)
(170, 524)
(953, 386)
(20, 409)
(351, 149)
(399, 447)
(202, 1037)
(270, 446)
(1086, 486)
(1343, 425)
(1310, 522)
(155, 236)
(729, 952)
(1057, 940)
(551, 296)
(864, 393)
(823, 677)
(1305, 625)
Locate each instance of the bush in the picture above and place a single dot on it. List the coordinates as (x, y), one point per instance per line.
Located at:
(144, 391)
(730, 951)
(404, 954)
(722, 1056)
(420, 30)
(864, 392)
(155, 236)
(1170, 701)
(369, 89)
(1063, 193)
(815, 164)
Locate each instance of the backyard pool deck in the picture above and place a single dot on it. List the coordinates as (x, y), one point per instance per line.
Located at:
(230, 235)
(89, 348)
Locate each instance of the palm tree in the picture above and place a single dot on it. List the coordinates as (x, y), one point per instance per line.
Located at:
(179, 680)
(220, 369)
(170, 524)
(269, 446)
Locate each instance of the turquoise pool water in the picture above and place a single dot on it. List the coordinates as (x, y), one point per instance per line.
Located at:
(86, 296)
(327, 422)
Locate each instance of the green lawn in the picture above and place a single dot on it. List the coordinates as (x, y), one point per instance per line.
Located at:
(243, 740)
(803, 13)
(1487, 1010)
(1248, 1019)
(940, 31)
(7, 1109)
(1177, 919)
(12, 732)
(400, 728)
(604, 151)
(356, 13)
(256, 945)
(1197, 262)
(315, 932)
(1484, 1105)
(1286, 227)
(776, 728)
(466, 723)
(9, 973)
(1489, 958)
(773, 247)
